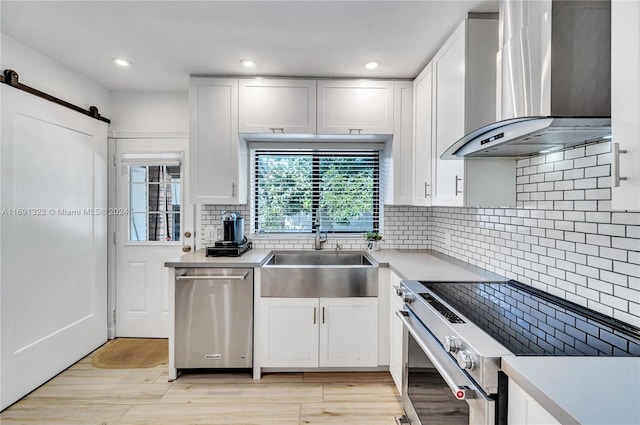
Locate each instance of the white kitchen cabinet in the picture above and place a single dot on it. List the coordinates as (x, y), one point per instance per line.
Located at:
(524, 410)
(349, 332)
(625, 103)
(396, 331)
(218, 159)
(422, 116)
(289, 332)
(399, 149)
(462, 102)
(355, 107)
(319, 332)
(277, 106)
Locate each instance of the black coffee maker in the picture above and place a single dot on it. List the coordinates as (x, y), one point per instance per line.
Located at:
(232, 227)
(233, 243)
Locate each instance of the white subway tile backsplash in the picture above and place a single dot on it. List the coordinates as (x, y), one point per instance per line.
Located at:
(633, 232)
(589, 161)
(561, 237)
(576, 173)
(598, 148)
(598, 171)
(574, 153)
(612, 229)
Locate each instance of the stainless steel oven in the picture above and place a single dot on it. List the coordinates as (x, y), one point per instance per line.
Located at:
(435, 390)
(456, 333)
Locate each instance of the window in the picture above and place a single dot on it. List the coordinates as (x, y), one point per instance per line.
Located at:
(154, 203)
(291, 188)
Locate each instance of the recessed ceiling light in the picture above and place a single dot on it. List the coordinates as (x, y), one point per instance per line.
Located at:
(122, 63)
(248, 63)
(371, 65)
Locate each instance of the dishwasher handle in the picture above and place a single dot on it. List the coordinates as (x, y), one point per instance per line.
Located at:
(231, 277)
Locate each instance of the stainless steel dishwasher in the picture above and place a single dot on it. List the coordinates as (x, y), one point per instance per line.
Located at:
(214, 318)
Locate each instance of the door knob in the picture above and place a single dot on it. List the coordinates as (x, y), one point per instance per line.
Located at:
(187, 234)
(186, 248)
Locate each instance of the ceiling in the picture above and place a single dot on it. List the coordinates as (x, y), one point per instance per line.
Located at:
(167, 41)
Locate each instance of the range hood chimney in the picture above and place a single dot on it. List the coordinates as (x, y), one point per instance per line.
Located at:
(554, 80)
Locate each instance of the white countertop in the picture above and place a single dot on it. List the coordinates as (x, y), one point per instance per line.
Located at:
(251, 258)
(581, 390)
(431, 265)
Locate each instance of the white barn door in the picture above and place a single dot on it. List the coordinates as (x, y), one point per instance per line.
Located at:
(53, 255)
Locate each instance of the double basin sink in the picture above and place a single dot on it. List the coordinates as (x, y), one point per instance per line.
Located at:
(325, 274)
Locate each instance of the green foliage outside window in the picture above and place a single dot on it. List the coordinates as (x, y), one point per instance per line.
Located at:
(344, 192)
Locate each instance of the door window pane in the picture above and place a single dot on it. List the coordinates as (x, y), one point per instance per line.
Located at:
(154, 203)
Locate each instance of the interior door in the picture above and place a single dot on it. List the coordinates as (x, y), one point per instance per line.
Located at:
(53, 255)
(153, 224)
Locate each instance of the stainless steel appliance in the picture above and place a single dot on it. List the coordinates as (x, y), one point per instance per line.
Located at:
(546, 102)
(214, 318)
(457, 333)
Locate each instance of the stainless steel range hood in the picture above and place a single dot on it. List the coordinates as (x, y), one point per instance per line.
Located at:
(554, 80)
(518, 137)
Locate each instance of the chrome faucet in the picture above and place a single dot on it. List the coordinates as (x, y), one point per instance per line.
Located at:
(319, 241)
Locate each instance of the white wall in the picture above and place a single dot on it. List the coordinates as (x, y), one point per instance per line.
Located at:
(148, 112)
(43, 73)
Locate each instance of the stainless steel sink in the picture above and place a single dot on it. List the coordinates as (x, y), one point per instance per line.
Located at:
(319, 259)
(327, 274)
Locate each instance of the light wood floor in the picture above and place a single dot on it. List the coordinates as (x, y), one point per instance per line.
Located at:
(86, 395)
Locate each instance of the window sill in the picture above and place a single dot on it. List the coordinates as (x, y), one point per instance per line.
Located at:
(305, 236)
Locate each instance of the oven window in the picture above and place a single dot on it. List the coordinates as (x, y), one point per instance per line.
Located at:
(430, 396)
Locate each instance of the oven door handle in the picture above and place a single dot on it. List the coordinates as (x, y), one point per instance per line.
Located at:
(459, 383)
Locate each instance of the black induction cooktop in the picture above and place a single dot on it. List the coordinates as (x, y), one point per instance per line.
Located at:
(528, 321)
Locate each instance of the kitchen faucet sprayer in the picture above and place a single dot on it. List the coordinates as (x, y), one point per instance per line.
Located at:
(318, 241)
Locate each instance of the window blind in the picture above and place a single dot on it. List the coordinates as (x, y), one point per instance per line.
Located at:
(293, 188)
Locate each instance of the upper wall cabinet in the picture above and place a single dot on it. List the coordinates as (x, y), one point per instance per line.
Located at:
(218, 160)
(464, 96)
(355, 107)
(277, 106)
(422, 157)
(625, 104)
(399, 155)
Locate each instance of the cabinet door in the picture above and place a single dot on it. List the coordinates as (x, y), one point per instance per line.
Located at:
(396, 329)
(277, 106)
(402, 146)
(355, 107)
(349, 332)
(422, 99)
(625, 103)
(215, 154)
(449, 117)
(524, 410)
(289, 332)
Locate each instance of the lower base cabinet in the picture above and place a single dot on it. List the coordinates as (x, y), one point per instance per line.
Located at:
(395, 332)
(524, 410)
(319, 332)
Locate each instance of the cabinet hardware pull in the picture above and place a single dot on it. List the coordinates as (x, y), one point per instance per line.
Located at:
(277, 129)
(458, 192)
(231, 277)
(322, 314)
(426, 190)
(352, 130)
(616, 164)
(314, 314)
(233, 190)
